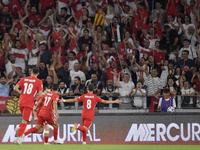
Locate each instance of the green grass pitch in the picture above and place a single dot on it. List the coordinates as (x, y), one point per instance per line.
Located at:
(98, 147)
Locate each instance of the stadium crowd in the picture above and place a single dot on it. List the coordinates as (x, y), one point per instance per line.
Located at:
(126, 48)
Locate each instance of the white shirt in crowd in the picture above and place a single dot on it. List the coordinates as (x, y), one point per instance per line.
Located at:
(125, 89)
(74, 74)
(71, 64)
(21, 57)
(192, 52)
(9, 67)
(188, 91)
(33, 60)
(139, 101)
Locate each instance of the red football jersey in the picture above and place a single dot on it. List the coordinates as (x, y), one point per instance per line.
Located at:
(30, 86)
(48, 99)
(89, 101)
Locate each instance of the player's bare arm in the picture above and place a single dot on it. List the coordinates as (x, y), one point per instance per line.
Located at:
(41, 94)
(117, 101)
(68, 100)
(16, 88)
(55, 109)
(35, 108)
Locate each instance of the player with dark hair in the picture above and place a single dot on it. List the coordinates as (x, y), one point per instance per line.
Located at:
(30, 86)
(89, 101)
(50, 102)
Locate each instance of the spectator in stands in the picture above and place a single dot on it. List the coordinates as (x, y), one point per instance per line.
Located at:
(33, 14)
(187, 93)
(77, 73)
(52, 77)
(158, 10)
(116, 32)
(139, 95)
(173, 36)
(171, 85)
(4, 86)
(64, 70)
(140, 48)
(152, 36)
(10, 64)
(192, 52)
(167, 71)
(125, 90)
(97, 84)
(174, 53)
(196, 85)
(152, 64)
(77, 88)
(86, 39)
(72, 60)
(5, 20)
(96, 69)
(144, 10)
(45, 24)
(188, 65)
(63, 91)
(12, 92)
(44, 54)
(166, 101)
(140, 73)
(43, 72)
(45, 4)
(172, 23)
(20, 56)
(154, 87)
(112, 69)
(110, 90)
(159, 55)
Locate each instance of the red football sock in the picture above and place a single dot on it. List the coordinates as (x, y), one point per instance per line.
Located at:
(31, 130)
(55, 133)
(21, 129)
(84, 136)
(82, 129)
(46, 139)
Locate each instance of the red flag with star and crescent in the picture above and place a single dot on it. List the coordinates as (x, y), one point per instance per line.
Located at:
(57, 37)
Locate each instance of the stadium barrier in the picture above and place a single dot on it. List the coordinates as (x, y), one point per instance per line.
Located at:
(118, 128)
(10, 105)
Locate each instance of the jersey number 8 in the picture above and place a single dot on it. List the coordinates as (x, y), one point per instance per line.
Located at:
(89, 102)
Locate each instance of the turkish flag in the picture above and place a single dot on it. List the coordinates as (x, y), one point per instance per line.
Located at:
(57, 37)
(140, 25)
(14, 7)
(31, 43)
(79, 13)
(171, 8)
(95, 56)
(158, 27)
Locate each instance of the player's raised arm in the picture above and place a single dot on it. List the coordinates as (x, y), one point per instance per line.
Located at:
(16, 88)
(68, 100)
(117, 101)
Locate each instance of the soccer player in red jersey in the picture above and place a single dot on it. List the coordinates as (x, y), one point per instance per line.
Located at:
(30, 86)
(50, 102)
(45, 126)
(89, 101)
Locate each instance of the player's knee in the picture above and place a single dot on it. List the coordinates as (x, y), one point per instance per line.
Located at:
(46, 128)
